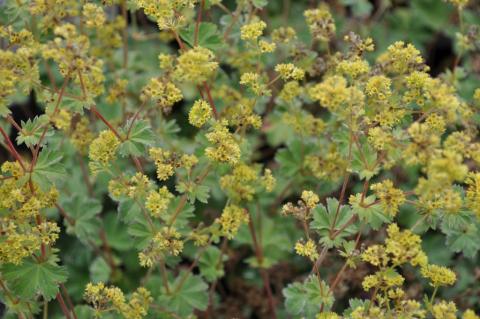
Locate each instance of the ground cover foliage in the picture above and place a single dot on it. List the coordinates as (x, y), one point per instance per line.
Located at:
(239, 159)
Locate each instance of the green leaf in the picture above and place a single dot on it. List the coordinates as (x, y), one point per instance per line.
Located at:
(324, 218)
(208, 36)
(368, 212)
(83, 211)
(364, 161)
(138, 137)
(116, 233)
(48, 169)
(211, 266)
(31, 279)
(291, 159)
(464, 239)
(129, 211)
(194, 191)
(32, 131)
(99, 270)
(305, 299)
(259, 4)
(193, 294)
(141, 232)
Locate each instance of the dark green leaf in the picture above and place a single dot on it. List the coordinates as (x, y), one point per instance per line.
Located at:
(31, 278)
(305, 299)
(208, 36)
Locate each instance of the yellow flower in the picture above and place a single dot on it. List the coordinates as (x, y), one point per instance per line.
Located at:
(320, 22)
(157, 202)
(390, 197)
(401, 58)
(251, 31)
(231, 219)
(289, 71)
(225, 148)
(200, 113)
(196, 65)
(444, 310)
(308, 249)
(266, 47)
(470, 314)
(332, 93)
(473, 192)
(310, 199)
(438, 275)
(163, 162)
(353, 68)
(93, 15)
(103, 148)
(164, 93)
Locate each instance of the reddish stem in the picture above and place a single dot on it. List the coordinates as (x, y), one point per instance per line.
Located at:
(210, 99)
(12, 149)
(107, 123)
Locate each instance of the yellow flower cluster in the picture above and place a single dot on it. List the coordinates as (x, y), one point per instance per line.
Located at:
(93, 15)
(103, 148)
(157, 202)
(401, 58)
(473, 193)
(240, 184)
(332, 92)
(196, 65)
(320, 22)
(166, 162)
(117, 91)
(307, 249)
(266, 47)
(353, 68)
(378, 89)
(167, 13)
(200, 113)
(284, 35)
(166, 241)
(310, 199)
(106, 299)
(288, 71)
(253, 30)
(438, 275)
(444, 310)
(232, 218)
(290, 90)
(81, 136)
(390, 197)
(225, 149)
(254, 83)
(163, 92)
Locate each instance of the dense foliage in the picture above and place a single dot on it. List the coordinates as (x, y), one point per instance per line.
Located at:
(240, 159)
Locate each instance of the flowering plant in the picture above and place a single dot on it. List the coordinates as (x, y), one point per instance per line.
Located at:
(209, 159)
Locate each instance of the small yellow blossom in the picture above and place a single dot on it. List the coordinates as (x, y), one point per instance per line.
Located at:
(251, 31)
(93, 15)
(200, 113)
(288, 71)
(310, 199)
(444, 310)
(225, 148)
(103, 148)
(438, 275)
(231, 219)
(390, 197)
(266, 47)
(196, 65)
(307, 249)
(320, 22)
(157, 202)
